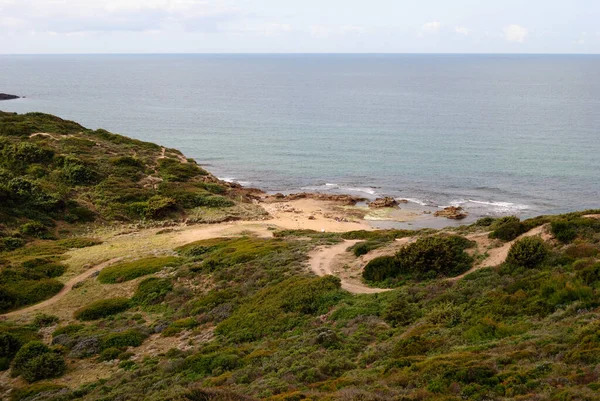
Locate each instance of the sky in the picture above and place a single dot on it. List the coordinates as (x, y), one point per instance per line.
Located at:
(299, 26)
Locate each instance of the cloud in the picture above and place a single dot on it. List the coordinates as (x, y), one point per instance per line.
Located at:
(265, 29)
(326, 31)
(515, 33)
(462, 30)
(430, 28)
(62, 16)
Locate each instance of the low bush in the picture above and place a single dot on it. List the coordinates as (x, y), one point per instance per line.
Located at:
(401, 311)
(362, 248)
(103, 308)
(27, 292)
(128, 338)
(34, 229)
(435, 256)
(207, 364)
(381, 268)
(45, 366)
(282, 307)
(578, 251)
(110, 354)
(35, 361)
(428, 257)
(156, 207)
(205, 394)
(563, 230)
(527, 252)
(68, 329)
(9, 346)
(507, 228)
(78, 242)
(44, 320)
(175, 171)
(131, 270)
(29, 392)
(152, 291)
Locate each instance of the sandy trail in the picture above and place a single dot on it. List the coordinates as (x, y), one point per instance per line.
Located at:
(328, 260)
(323, 259)
(497, 256)
(64, 291)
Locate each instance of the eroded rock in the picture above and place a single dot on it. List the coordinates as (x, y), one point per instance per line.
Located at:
(452, 212)
(383, 202)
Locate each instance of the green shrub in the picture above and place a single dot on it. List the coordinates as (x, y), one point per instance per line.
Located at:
(27, 292)
(78, 242)
(175, 171)
(282, 307)
(152, 291)
(11, 243)
(434, 256)
(26, 353)
(527, 252)
(380, 268)
(102, 308)
(507, 228)
(156, 207)
(45, 366)
(44, 320)
(401, 311)
(9, 346)
(362, 248)
(109, 354)
(68, 329)
(563, 230)
(131, 270)
(207, 364)
(34, 361)
(484, 222)
(213, 188)
(128, 338)
(28, 392)
(44, 267)
(590, 275)
(206, 394)
(34, 229)
(578, 251)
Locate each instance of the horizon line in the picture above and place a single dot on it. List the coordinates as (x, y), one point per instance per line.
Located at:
(301, 53)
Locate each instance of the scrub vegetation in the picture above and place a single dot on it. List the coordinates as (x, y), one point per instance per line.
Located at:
(243, 318)
(57, 178)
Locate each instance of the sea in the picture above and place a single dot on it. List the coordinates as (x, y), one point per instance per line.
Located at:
(495, 134)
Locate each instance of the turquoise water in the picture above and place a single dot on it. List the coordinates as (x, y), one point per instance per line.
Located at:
(498, 134)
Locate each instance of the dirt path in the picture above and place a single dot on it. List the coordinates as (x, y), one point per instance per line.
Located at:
(334, 260)
(64, 291)
(323, 259)
(497, 256)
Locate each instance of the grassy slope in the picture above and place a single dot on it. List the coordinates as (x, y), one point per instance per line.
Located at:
(244, 316)
(57, 178)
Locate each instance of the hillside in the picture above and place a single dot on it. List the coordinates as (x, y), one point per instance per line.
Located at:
(58, 179)
(139, 307)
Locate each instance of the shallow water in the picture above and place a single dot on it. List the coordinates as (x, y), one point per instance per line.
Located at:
(496, 134)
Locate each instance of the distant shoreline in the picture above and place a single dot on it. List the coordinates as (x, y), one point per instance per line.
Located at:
(6, 96)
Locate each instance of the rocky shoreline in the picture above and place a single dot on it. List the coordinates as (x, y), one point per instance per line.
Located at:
(6, 96)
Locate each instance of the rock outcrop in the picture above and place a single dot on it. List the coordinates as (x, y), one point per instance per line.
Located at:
(344, 199)
(6, 96)
(383, 202)
(452, 212)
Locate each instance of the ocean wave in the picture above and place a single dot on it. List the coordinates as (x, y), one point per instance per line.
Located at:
(233, 180)
(328, 186)
(418, 201)
(495, 207)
